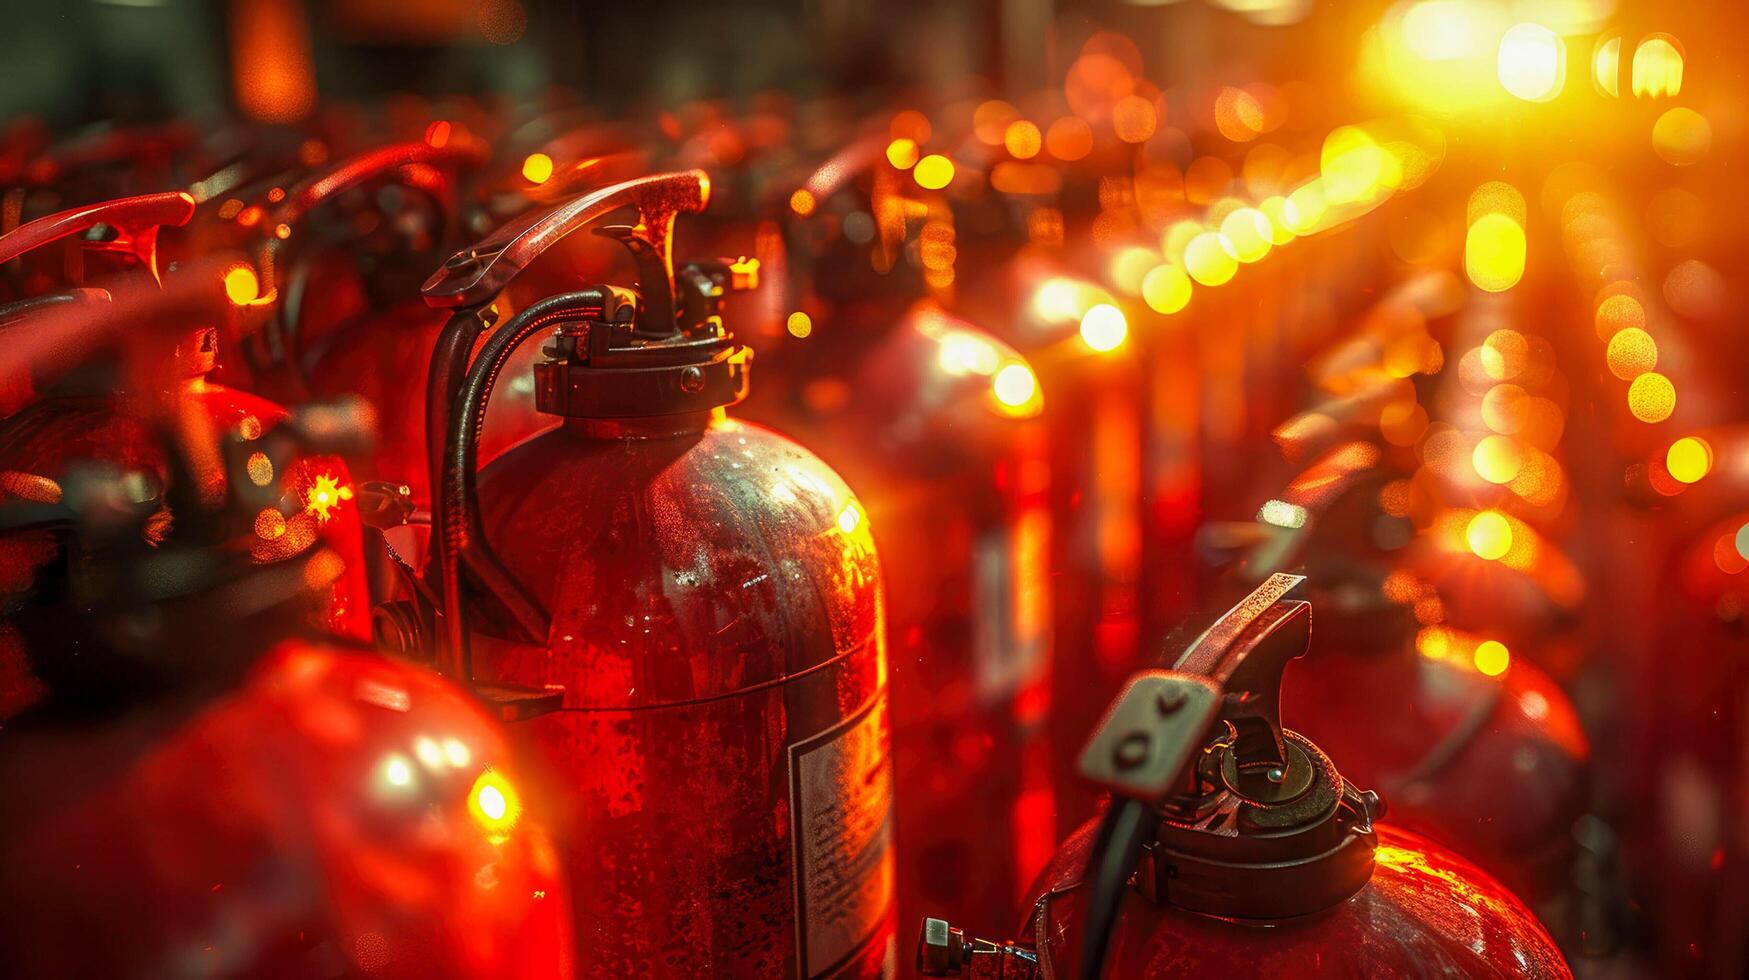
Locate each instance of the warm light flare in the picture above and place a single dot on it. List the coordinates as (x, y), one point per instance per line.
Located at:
(933, 172)
(1103, 328)
(324, 495)
(1489, 535)
(903, 153)
(1532, 63)
(1494, 253)
(1689, 459)
(241, 285)
(1492, 658)
(495, 805)
(537, 168)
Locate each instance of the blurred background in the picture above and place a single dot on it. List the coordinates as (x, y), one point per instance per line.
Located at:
(1435, 300)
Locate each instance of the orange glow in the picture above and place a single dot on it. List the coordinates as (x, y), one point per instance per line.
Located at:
(437, 134)
(1023, 139)
(1651, 398)
(1492, 658)
(495, 805)
(912, 125)
(260, 469)
(802, 202)
(270, 60)
(1617, 313)
(1532, 62)
(323, 496)
(269, 524)
(1133, 119)
(1130, 266)
(991, 120)
(1103, 328)
(1632, 352)
(1497, 459)
(799, 325)
(1069, 138)
(1505, 354)
(1606, 67)
(1015, 388)
(933, 172)
(1657, 71)
(903, 153)
(1238, 114)
(241, 286)
(1247, 233)
(1494, 253)
(1682, 137)
(1166, 289)
(1208, 259)
(1689, 459)
(1489, 535)
(537, 168)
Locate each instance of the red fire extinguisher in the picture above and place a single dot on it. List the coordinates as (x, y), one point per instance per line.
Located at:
(1494, 765)
(1234, 847)
(344, 322)
(256, 804)
(936, 422)
(44, 439)
(698, 598)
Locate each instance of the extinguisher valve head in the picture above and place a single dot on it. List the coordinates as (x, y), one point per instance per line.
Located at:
(1255, 822)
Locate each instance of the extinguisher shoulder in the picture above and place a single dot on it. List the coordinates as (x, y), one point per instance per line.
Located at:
(732, 548)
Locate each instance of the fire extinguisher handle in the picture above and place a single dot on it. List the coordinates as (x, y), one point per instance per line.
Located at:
(475, 275)
(459, 540)
(1231, 673)
(418, 164)
(136, 221)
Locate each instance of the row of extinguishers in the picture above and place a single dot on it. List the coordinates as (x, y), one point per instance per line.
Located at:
(682, 612)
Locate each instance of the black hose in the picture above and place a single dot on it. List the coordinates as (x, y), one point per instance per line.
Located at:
(459, 511)
(1116, 846)
(449, 368)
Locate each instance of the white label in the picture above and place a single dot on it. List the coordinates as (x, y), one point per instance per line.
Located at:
(842, 786)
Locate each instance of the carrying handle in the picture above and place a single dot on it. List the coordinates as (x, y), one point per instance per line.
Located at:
(424, 167)
(136, 221)
(416, 164)
(1144, 748)
(1231, 673)
(473, 276)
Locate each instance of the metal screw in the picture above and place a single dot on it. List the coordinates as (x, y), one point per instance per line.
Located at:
(1132, 751)
(692, 381)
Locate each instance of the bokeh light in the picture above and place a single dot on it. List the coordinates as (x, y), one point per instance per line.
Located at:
(1631, 352)
(1491, 658)
(933, 172)
(1651, 398)
(1166, 289)
(537, 168)
(1532, 62)
(1208, 260)
(1489, 535)
(1689, 459)
(1103, 328)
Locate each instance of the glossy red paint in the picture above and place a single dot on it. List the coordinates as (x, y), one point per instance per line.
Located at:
(1426, 912)
(332, 814)
(957, 491)
(716, 622)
